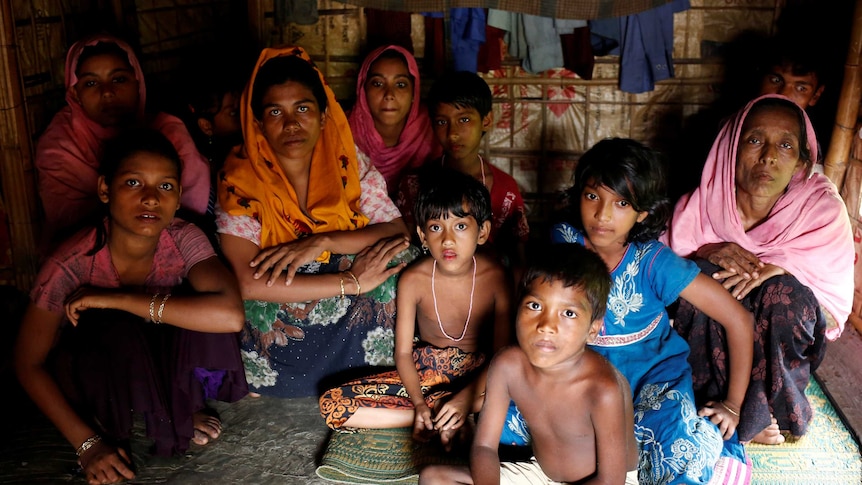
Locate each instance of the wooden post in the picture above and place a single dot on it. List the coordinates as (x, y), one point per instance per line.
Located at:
(835, 163)
(16, 168)
(256, 22)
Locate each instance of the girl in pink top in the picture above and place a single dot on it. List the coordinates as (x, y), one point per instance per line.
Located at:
(136, 314)
(105, 94)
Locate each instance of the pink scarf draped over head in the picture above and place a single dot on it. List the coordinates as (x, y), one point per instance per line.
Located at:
(69, 151)
(807, 232)
(416, 144)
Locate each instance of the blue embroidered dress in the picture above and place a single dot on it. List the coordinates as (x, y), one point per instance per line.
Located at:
(676, 446)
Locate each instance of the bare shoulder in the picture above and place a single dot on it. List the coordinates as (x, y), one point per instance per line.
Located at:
(489, 268)
(510, 360)
(604, 378)
(413, 282)
(418, 270)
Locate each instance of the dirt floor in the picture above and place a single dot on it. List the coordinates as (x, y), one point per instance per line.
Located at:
(264, 441)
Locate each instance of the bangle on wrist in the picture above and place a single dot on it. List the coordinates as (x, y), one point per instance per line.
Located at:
(355, 280)
(87, 444)
(161, 309)
(152, 307)
(341, 283)
(729, 409)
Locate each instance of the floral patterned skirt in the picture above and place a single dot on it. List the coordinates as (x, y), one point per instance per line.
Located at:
(789, 344)
(441, 372)
(302, 349)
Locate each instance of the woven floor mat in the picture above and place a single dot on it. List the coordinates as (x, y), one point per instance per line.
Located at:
(827, 454)
(380, 456)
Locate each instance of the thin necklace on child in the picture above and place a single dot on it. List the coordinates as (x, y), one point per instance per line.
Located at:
(481, 165)
(469, 312)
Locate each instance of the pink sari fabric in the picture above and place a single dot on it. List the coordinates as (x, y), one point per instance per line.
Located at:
(416, 144)
(807, 232)
(69, 151)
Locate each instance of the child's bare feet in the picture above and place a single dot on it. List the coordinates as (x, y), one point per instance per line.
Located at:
(207, 427)
(770, 435)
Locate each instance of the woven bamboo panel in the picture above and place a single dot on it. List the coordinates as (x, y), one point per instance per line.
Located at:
(543, 122)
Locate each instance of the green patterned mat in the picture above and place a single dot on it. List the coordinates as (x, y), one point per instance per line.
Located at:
(379, 456)
(827, 454)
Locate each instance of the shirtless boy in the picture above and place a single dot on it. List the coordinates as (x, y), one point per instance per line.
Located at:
(458, 300)
(578, 407)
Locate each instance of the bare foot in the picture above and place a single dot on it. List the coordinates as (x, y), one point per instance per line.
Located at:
(207, 427)
(253, 394)
(769, 435)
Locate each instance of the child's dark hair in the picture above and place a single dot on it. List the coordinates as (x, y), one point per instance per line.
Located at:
(280, 70)
(98, 49)
(462, 89)
(445, 191)
(574, 266)
(118, 150)
(128, 143)
(796, 53)
(635, 172)
(204, 99)
(206, 96)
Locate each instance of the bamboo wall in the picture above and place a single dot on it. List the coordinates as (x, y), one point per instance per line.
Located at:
(542, 122)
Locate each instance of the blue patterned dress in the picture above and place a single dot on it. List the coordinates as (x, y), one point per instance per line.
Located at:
(676, 446)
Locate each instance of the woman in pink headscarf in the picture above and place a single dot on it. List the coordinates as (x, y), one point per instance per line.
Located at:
(105, 94)
(778, 236)
(388, 122)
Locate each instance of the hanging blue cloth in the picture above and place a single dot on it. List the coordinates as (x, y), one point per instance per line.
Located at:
(467, 34)
(646, 45)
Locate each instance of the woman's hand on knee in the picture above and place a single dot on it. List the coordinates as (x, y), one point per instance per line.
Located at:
(740, 287)
(733, 259)
(371, 264)
(287, 257)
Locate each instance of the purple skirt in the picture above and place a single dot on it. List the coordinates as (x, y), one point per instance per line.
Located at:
(115, 364)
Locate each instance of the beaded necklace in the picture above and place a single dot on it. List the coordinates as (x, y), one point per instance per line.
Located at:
(469, 312)
(481, 165)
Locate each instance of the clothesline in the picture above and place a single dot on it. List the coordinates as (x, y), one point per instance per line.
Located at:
(557, 9)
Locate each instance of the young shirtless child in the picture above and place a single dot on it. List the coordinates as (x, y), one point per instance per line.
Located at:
(458, 300)
(577, 404)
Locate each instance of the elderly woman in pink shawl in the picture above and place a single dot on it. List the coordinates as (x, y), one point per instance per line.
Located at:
(389, 123)
(105, 93)
(778, 236)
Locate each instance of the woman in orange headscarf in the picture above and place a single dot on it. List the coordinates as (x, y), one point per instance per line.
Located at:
(294, 201)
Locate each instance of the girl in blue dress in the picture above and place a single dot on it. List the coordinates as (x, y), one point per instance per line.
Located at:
(619, 206)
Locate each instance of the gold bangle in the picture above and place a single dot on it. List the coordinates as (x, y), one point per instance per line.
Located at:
(731, 411)
(152, 307)
(162, 308)
(355, 280)
(87, 444)
(341, 283)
